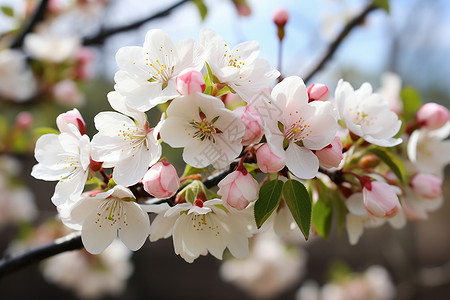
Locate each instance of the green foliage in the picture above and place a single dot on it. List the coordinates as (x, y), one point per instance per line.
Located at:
(268, 200)
(44, 130)
(322, 213)
(411, 102)
(299, 202)
(209, 80)
(387, 158)
(7, 11)
(383, 4)
(341, 212)
(223, 91)
(190, 170)
(202, 9)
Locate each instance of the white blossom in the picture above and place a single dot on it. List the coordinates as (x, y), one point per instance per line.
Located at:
(238, 68)
(147, 74)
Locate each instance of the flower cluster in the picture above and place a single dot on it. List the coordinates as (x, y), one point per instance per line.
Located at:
(277, 153)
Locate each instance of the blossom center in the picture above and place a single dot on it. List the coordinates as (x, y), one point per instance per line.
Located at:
(204, 223)
(134, 136)
(362, 118)
(111, 212)
(205, 130)
(296, 129)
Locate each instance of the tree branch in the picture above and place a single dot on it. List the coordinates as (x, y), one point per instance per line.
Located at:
(13, 263)
(357, 20)
(70, 242)
(104, 34)
(38, 16)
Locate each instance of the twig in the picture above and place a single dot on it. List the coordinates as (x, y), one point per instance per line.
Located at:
(339, 39)
(38, 16)
(103, 34)
(70, 242)
(34, 255)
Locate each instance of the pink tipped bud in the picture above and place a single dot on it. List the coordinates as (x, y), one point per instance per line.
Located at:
(71, 117)
(432, 115)
(318, 92)
(24, 120)
(331, 155)
(267, 161)
(238, 190)
(253, 124)
(280, 17)
(427, 186)
(161, 180)
(380, 199)
(190, 81)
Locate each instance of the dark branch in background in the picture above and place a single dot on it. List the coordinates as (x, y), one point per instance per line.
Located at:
(104, 34)
(37, 17)
(69, 242)
(339, 39)
(34, 255)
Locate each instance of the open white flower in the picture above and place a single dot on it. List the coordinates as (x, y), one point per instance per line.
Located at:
(147, 74)
(367, 114)
(428, 149)
(64, 157)
(300, 125)
(104, 216)
(16, 79)
(50, 47)
(126, 143)
(203, 227)
(209, 133)
(239, 68)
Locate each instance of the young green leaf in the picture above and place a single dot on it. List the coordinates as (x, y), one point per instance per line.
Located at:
(268, 200)
(341, 212)
(411, 101)
(299, 203)
(386, 158)
(384, 4)
(202, 9)
(7, 11)
(322, 215)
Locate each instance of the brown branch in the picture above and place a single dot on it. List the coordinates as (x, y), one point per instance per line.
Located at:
(34, 255)
(37, 17)
(104, 34)
(357, 20)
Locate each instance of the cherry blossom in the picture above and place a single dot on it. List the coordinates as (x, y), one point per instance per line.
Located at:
(367, 114)
(238, 68)
(301, 126)
(126, 143)
(209, 133)
(105, 215)
(147, 74)
(203, 227)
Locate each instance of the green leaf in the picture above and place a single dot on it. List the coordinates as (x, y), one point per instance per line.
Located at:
(208, 77)
(45, 130)
(322, 215)
(268, 200)
(190, 170)
(223, 91)
(250, 167)
(411, 102)
(7, 11)
(341, 212)
(202, 9)
(299, 203)
(387, 159)
(384, 4)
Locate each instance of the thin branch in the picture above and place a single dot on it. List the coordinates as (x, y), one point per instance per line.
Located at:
(34, 255)
(37, 16)
(339, 39)
(71, 241)
(104, 34)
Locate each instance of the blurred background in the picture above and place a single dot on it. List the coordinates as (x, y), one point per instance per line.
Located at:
(412, 41)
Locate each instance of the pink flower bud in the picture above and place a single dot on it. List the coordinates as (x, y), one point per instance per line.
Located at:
(67, 93)
(71, 117)
(161, 180)
(267, 161)
(380, 199)
(238, 189)
(331, 155)
(318, 92)
(24, 120)
(432, 115)
(253, 124)
(190, 81)
(427, 186)
(280, 17)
